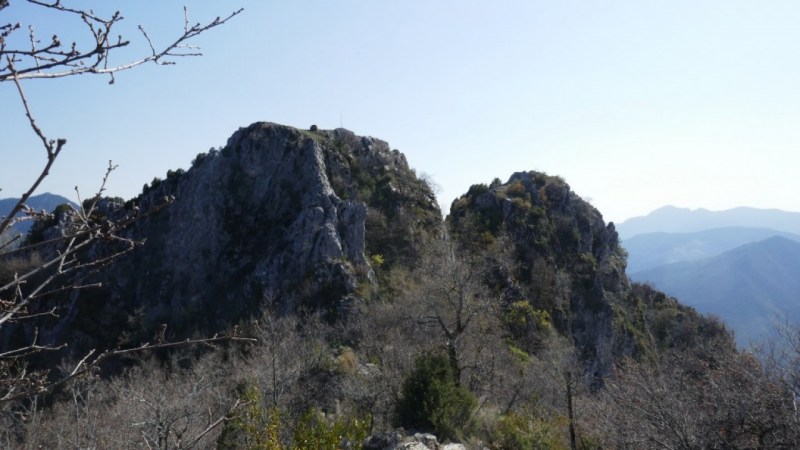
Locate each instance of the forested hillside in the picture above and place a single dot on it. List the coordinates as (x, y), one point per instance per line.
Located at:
(302, 289)
(511, 324)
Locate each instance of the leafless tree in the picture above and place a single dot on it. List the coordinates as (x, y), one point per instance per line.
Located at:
(780, 354)
(152, 405)
(711, 397)
(51, 267)
(454, 300)
(287, 352)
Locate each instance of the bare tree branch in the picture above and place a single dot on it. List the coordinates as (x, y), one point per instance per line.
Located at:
(53, 149)
(58, 264)
(53, 62)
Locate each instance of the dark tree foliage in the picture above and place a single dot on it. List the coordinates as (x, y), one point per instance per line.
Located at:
(431, 399)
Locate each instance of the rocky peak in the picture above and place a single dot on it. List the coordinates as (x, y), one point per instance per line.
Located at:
(569, 265)
(280, 218)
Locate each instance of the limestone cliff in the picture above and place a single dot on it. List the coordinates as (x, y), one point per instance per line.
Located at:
(569, 268)
(294, 220)
(280, 218)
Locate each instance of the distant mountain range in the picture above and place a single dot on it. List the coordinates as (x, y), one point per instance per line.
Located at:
(650, 250)
(741, 265)
(748, 287)
(671, 219)
(46, 202)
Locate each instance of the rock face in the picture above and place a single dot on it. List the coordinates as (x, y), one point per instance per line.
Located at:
(397, 441)
(279, 218)
(291, 220)
(568, 273)
(569, 262)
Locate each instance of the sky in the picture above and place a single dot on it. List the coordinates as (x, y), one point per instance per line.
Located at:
(636, 104)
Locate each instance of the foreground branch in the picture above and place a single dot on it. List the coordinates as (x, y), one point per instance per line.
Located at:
(53, 61)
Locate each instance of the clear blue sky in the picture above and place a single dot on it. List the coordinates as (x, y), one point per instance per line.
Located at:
(637, 104)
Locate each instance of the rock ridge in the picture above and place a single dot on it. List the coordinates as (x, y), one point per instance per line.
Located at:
(279, 218)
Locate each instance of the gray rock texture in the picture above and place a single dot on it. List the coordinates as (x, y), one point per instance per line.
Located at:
(292, 220)
(279, 218)
(396, 440)
(569, 261)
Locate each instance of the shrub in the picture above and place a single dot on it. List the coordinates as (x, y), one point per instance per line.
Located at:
(477, 189)
(314, 433)
(432, 400)
(175, 174)
(199, 158)
(526, 431)
(517, 189)
(256, 427)
(521, 315)
(529, 327)
(253, 427)
(346, 361)
(376, 260)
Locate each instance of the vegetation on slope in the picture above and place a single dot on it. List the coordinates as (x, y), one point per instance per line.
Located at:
(515, 329)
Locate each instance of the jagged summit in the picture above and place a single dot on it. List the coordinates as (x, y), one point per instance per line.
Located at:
(280, 217)
(291, 220)
(519, 295)
(569, 268)
(569, 263)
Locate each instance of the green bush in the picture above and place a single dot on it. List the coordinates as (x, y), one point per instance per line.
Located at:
(376, 260)
(477, 189)
(517, 431)
(314, 433)
(432, 400)
(256, 427)
(516, 189)
(252, 427)
(528, 324)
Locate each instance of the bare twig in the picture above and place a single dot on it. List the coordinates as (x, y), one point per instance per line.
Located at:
(46, 61)
(65, 265)
(60, 261)
(53, 149)
(215, 424)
